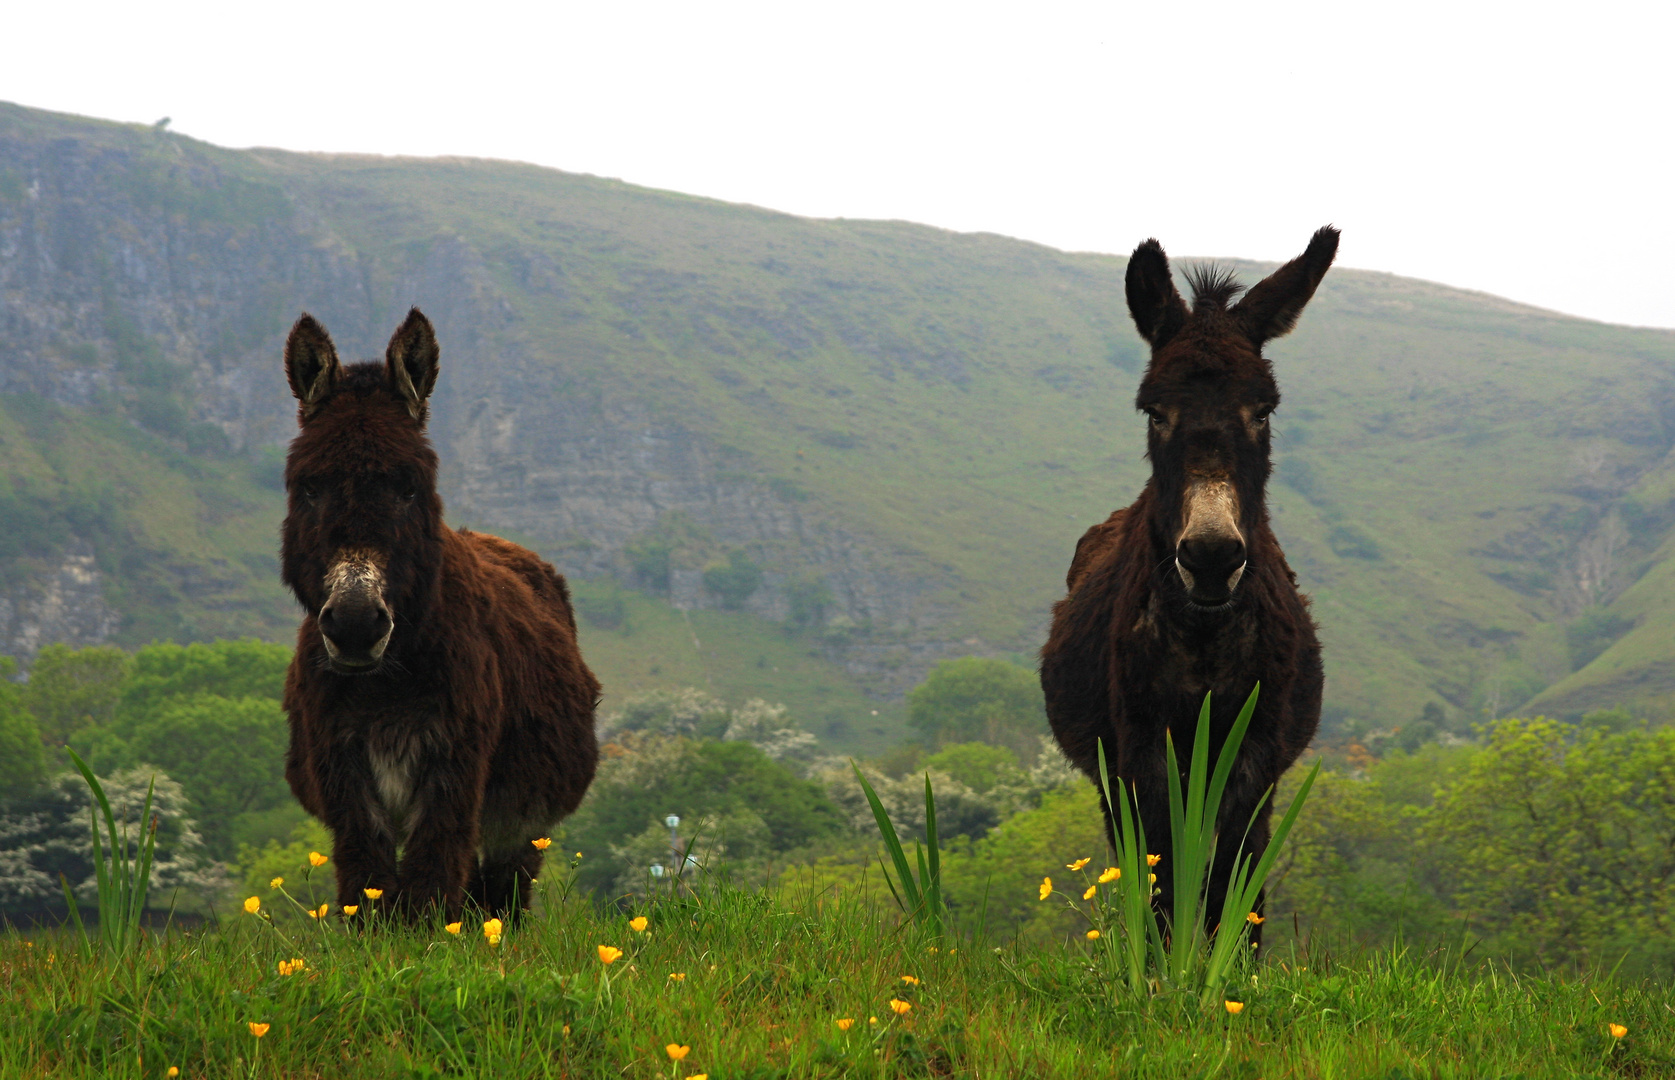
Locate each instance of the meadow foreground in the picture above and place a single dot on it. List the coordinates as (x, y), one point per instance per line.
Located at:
(734, 983)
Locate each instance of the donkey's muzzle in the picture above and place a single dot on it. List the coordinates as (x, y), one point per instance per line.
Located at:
(356, 629)
(1211, 566)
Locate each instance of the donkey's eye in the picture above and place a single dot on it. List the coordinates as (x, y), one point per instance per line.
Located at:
(409, 495)
(310, 492)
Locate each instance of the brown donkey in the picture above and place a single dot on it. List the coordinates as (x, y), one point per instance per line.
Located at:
(439, 705)
(1186, 591)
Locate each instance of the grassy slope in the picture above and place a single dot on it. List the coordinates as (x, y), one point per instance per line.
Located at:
(734, 657)
(954, 398)
(766, 979)
(1444, 425)
(188, 544)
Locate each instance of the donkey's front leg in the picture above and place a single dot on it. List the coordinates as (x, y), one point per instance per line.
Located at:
(439, 859)
(363, 850)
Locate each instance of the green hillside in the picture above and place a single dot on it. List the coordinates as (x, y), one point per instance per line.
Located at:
(1476, 493)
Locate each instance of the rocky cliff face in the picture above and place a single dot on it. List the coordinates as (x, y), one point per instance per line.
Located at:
(149, 275)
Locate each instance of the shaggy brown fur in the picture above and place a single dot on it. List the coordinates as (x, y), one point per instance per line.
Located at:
(439, 704)
(1187, 591)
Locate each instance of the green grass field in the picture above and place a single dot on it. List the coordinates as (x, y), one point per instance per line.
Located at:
(755, 985)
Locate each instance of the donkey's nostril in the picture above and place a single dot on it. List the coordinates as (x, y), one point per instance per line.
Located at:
(1211, 557)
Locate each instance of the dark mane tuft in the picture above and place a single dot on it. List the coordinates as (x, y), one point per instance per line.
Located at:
(1213, 285)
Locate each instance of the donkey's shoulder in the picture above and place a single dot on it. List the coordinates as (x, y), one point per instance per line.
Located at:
(1098, 545)
(497, 554)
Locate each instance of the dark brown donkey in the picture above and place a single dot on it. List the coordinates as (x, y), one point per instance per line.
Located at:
(439, 705)
(1187, 591)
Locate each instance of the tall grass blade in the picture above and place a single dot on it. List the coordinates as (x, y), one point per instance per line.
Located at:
(892, 844)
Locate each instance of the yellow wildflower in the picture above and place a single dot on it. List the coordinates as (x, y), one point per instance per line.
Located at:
(322, 912)
(1256, 920)
(872, 1019)
(491, 931)
(173, 1071)
(1111, 874)
(910, 980)
(543, 843)
(900, 1007)
(1077, 865)
(1093, 935)
(578, 854)
(1153, 860)
(259, 1030)
(276, 883)
(316, 859)
(350, 909)
(1046, 887)
(494, 941)
(1153, 877)
(1092, 889)
(638, 924)
(452, 928)
(1234, 1007)
(699, 1076)
(609, 954)
(1618, 1031)
(846, 1023)
(253, 905)
(373, 894)
(676, 1051)
(284, 967)
(677, 976)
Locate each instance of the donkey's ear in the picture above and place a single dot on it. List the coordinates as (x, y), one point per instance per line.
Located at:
(310, 362)
(1270, 309)
(1157, 307)
(412, 360)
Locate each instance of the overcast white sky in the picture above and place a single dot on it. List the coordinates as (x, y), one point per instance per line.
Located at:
(1522, 149)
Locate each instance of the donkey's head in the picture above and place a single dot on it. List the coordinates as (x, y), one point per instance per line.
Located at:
(363, 535)
(1209, 392)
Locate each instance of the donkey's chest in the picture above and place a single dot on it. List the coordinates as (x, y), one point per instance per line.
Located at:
(1193, 665)
(397, 761)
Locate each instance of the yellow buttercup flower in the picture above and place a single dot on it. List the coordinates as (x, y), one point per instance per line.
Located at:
(900, 1007)
(638, 924)
(173, 1071)
(276, 883)
(1153, 860)
(321, 913)
(1153, 877)
(350, 909)
(491, 931)
(253, 905)
(494, 941)
(1077, 865)
(259, 1030)
(373, 894)
(1618, 1031)
(846, 1023)
(1111, 874)
(910, 980)
(609, 954)
(1046, 887)
(452, 928)
(1234, 1007)
(677, 1052)
(284, 967)
(1256, 920)
(699, 1076)
(1089, 895)
(872, 1019)
(1093, 935)
(316, 859)
(677, 976)
(543, 843)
